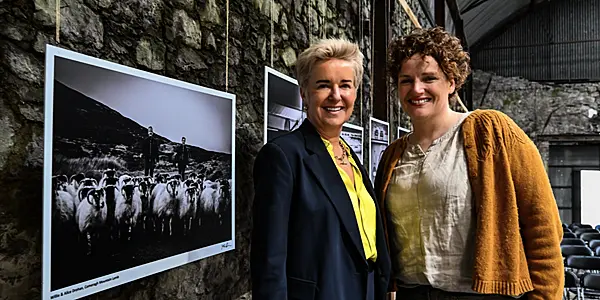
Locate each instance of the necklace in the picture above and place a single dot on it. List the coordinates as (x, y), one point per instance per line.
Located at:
(343, 159)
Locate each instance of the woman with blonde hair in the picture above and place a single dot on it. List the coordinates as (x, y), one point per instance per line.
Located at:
(468, 208)
(317, 229)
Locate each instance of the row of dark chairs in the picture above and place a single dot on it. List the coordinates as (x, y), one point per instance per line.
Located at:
(580, 248)
(588, 285)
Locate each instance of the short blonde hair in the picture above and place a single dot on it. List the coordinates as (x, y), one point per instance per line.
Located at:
(327, 49)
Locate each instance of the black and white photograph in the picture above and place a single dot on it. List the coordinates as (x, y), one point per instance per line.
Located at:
(138, 174)
(379, 141)
(401, 132)
(283, 104)
(353, 135)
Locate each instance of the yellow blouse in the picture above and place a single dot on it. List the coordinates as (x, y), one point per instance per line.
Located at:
(363, 204)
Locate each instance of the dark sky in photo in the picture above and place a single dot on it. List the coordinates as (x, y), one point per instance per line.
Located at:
(172, 111)
(284, 92)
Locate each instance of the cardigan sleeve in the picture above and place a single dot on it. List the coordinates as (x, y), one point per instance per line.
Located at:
(541, 227)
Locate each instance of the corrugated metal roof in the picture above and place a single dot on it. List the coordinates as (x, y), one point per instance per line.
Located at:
(558, 41)
(481, 17)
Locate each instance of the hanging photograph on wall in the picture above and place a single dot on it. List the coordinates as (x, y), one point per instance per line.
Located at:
(353, 135)
(283, 104)
(134, 184)
(401, 131)
(379, 141)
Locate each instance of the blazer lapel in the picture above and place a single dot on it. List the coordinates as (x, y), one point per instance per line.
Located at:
(327, 175)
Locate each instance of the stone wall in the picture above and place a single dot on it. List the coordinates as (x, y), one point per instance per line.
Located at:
(539, 108)
(401, 24)
(182, 39)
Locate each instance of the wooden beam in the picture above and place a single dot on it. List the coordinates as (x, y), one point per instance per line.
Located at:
(410, 13)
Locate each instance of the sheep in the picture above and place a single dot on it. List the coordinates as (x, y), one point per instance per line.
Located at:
(209, 201)
(60, 182)
(164, 202)
(193, 176)
(127, 210)
(186, 196)
(84, 184)
(111, 191)
(161, 178)
(106, 175)
(224, 202)
(73, 185)
(124, 179)
(145, 187)
(176, 177)
(91, 214)
(63, 204)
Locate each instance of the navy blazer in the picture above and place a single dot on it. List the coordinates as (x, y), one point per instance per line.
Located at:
(305, 241)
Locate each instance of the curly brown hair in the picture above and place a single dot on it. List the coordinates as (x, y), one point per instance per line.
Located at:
(435, 42)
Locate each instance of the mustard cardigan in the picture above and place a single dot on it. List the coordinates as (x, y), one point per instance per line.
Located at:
(518, 228)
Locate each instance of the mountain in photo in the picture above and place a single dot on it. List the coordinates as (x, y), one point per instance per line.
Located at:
(86, 128)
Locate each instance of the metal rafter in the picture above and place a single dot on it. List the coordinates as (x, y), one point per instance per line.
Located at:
(472, 6)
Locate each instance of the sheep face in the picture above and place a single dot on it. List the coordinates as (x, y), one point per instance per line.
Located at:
(110, 173)
(95, 197)
(59, 183)
(192, 193)
(110, 192)
(111, 181)
(125, 179)
(161, 178)
(172, 186)
(143, 185)
(189, 182)
(225, 187)
(89, 182)
(77, 178)
(127, 192)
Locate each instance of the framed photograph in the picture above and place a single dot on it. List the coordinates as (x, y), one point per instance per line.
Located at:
(353, 135)
(134, 183)
(283, 104)
(401, 131)
(380, 139)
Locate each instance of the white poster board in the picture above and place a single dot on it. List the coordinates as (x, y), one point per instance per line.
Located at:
(353, 135)
(114, 151)
(590, 197)
(401, 131)
(379, 140)
(283, 104)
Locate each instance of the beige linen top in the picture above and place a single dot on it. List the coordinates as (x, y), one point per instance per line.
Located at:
(432, 226)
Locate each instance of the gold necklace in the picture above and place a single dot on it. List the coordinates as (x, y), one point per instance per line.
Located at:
(342, 159)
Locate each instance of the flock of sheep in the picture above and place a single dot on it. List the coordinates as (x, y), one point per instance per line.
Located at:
(119, 206)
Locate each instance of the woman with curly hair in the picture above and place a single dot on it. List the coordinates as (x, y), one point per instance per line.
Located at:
(468, 208)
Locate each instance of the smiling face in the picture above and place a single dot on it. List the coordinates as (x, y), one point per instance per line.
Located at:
(329, 94)
(423, 88)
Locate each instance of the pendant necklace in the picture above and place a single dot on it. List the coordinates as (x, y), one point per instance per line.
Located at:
(342, 159)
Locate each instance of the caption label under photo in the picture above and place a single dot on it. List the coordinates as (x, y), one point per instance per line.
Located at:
(74, 290)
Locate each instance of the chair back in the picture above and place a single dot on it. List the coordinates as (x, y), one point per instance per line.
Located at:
(572, 241)
(589, 236)
(580, 231)
(591, 281)
(583, 262)
(569, 235)
(569, 250)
